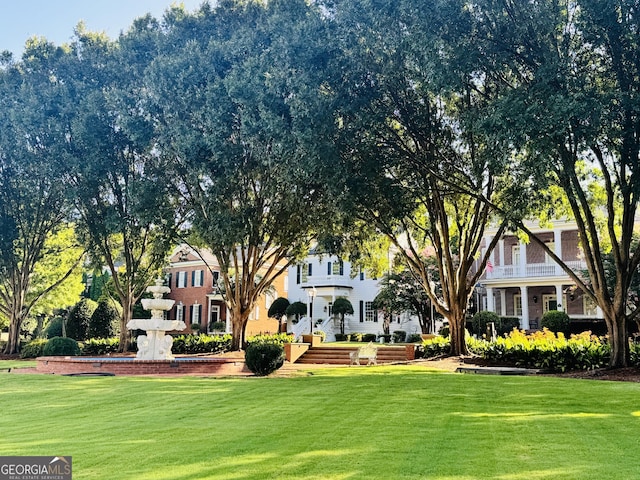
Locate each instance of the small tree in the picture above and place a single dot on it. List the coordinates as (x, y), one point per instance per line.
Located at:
(105, 321)
(342, 307)
(79, 318)
(296, 309)
(278, 308)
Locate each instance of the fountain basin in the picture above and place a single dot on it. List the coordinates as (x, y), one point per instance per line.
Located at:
(219, 366)
(162, 304)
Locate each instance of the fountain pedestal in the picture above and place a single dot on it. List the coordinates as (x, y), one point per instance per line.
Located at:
(156, 344)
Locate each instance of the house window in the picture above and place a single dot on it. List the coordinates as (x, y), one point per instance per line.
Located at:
(180, 312)
(196, 313)
(197, 277)
(589, 307)
(517, 305)
(370, 314)
(547, 258)
(335, 268)
(181, 280)
(515, 255)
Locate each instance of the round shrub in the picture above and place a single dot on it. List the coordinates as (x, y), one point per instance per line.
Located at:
(61, 346)
(556, 321)
(507, 324)
(481, 319)
(33, 349)
(399, 336)
(54, 327)
(264, 358)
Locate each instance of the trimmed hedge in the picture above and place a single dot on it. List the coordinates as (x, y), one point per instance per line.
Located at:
(277, 338)
(556, 321)
(100, 346)
(61, 346)
(34, 348)
(263, 358)
(545, 350)
(187, 344)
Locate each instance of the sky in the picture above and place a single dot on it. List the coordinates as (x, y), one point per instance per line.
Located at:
(56, 19)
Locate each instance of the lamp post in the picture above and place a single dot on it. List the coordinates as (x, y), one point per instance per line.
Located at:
(312, 293)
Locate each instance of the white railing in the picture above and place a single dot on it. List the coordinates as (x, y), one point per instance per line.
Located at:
(303, 328)
(533, 270)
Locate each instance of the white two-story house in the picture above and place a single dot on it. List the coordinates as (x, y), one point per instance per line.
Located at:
(523, 281)
(321, 279)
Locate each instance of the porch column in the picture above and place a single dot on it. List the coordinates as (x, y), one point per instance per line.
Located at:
(523, 259)
(490, 303)
(524, 299)
(503, 302)
(557, 243)
(560, 298)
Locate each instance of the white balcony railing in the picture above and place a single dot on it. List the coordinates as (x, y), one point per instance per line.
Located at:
(532, 270)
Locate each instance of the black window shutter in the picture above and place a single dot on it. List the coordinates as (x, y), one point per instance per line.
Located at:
(329, 268)
(298, 274)
(190, 313)
(310, 270)
(341, 267)
(361, 311)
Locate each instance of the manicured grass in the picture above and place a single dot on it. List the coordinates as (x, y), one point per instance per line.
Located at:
(399, 422)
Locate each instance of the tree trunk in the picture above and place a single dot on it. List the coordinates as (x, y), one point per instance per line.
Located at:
(238, 322)
(619, 342)
(13, 343)
(456, 332)
(125, 334)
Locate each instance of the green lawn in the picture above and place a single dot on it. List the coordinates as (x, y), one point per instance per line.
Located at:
(400, 422)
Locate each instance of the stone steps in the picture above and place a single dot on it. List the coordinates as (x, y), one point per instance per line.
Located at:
(340, 355)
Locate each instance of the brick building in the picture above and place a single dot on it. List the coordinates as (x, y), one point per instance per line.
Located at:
(193, 278)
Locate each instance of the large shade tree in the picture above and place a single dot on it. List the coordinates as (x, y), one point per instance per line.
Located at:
(119, 193)
(238, 100)
(408, 146)
(33, 211)
(572, 110)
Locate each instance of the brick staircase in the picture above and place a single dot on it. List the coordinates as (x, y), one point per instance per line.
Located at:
(340, 355)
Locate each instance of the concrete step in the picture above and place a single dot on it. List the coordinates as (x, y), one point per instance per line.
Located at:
(340, 355)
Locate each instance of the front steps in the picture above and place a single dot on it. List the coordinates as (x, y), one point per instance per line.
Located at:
(340, 355)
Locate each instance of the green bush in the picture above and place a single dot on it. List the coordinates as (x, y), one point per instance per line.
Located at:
(354, 337)
(100, 346)
(434, 347)
(369, 337)
(556, 321)
(54, 327)
(444, 331)
(386, 338)
(341, 337)
(277, 338)
(544, 350)
(480, 320)
(399, 336)
(264, 358)
(79, 318)
(507, 324)
(33, 349)
(414, 338)
(105, 320)
(192, 344)
(61, 346)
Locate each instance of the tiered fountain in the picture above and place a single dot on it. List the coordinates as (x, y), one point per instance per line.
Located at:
(154, 350)
(156, 344)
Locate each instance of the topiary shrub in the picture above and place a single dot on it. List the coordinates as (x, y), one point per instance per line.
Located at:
(33, 349)
(481, 319)
(61, 346)
(414, 338)
(264, 358)
(79, 319)
(54, 327)
(556, 321)
(105, 320)
(369, 337)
